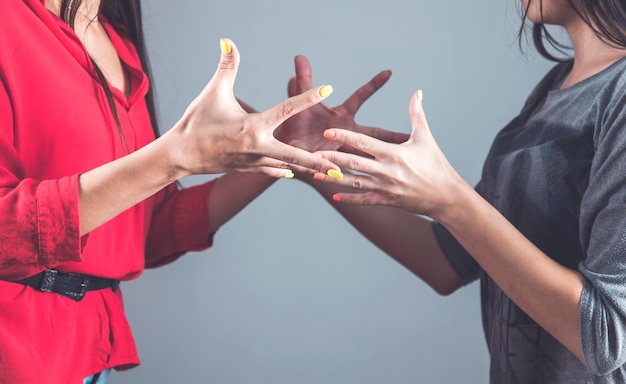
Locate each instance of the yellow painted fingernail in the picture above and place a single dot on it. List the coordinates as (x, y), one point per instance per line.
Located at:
(335, 174)
(288, 175)
(420, 95)
(225, 47)
(326, 90)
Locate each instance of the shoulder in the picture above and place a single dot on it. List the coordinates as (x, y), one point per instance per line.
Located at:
(25, 26)
(20, 16)
(18, 10)
(610, 87)
(614, 81)
(610, 103)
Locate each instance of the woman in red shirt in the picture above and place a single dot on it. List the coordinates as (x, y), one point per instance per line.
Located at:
(88, 195)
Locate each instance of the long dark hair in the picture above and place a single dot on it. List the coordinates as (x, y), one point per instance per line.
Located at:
(607, 18)
(125, 13)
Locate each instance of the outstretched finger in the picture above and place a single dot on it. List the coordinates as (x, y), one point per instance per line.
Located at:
(358, 141)
(418, 117)
(367, 198)
(301, 160)
(227, 67)
(360, 96)
(377, 133)
(277, 114)
(304, 74)
(277, 173)
(282, 167)
(357, 163)
(383, 134)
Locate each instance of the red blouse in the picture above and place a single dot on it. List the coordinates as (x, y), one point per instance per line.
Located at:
(55, 123)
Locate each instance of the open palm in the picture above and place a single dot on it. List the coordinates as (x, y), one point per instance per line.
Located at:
(216, 135)
(305, 130)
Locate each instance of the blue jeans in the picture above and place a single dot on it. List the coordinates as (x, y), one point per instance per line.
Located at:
(102, 379)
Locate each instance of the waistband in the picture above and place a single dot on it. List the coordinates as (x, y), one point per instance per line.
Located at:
(72, 285)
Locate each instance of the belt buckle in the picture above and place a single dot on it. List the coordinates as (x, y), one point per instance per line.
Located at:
(47, 282)
(77, 296)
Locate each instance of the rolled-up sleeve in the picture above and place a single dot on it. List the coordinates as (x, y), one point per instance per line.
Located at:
(39, 219)
(461, 261)
(179, 224)
(603, 237)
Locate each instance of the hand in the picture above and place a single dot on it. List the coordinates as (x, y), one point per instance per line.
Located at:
(216, 135)
(305, 130)
(414, 176)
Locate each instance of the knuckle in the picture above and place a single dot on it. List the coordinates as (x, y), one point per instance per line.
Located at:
(394, 200)
(248, 139)
(403, 157)
(312, 98)
(355, 164)
(248, 127)
(357, 183)
(227, 64)
(394, 177)
(288, 159)
(287, 109)
(362, 144)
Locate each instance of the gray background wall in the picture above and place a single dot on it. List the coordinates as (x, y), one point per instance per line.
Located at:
(290, 293)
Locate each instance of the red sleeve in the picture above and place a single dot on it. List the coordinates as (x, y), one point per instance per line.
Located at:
(180, 223)
(39, 224)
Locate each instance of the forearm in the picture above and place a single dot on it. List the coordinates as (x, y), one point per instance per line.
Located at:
(548, 292)
(108, 190)
(231, 193)
(405, 237)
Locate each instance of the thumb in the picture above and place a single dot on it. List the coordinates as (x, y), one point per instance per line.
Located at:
(227, 68)
(304, 73)
(417, 116)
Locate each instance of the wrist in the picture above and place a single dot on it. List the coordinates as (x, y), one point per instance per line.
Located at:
(172, 155)
(459, 203)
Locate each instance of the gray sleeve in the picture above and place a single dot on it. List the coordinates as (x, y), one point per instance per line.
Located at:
(603, 238)
(462, 262)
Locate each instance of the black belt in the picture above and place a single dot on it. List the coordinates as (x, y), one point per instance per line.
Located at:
(72, 285)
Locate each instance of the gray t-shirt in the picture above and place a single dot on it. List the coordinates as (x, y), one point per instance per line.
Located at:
(558, 173)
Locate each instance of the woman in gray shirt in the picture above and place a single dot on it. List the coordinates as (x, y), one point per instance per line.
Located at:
(545, 228)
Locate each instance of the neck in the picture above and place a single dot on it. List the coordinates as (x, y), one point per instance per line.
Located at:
(591, 54)
(88, 9)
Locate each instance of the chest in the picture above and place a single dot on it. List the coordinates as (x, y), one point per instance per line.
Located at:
(63, 121)
(98, 44)
(540, 166)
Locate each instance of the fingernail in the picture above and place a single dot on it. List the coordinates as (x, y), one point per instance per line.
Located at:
(225, 47)
(319, 176)
(336, 197)
(326, 90)
(329, 134)
(335, 174)
(420, 95)
(288, 175)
